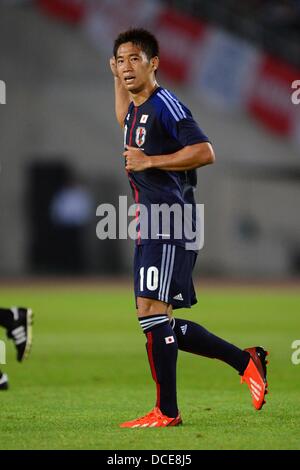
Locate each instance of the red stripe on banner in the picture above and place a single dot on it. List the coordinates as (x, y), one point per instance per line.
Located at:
(68, 10)
(152, 366)
(179, 36)
(270, 100)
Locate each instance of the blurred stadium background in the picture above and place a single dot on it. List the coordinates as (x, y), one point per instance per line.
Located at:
(233, 63)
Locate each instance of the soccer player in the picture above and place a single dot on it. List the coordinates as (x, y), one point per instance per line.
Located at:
(18, 324)
(163, 148)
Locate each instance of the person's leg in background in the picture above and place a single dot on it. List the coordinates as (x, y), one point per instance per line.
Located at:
(17, 321)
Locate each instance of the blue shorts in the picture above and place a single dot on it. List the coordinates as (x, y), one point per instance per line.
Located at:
(163, 272)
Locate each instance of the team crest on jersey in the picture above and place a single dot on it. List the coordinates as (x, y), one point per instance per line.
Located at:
(140, 136)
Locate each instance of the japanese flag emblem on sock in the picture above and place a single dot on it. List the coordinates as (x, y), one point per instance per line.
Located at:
(169, 339)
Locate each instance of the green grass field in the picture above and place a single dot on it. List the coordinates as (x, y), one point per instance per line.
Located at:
(88, 372)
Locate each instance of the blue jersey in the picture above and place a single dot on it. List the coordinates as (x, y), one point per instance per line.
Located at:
(161, 125)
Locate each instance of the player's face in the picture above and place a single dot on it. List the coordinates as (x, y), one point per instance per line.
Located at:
(134, 68)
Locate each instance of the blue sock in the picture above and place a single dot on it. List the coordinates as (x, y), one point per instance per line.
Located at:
(193, 338)
(162, 352)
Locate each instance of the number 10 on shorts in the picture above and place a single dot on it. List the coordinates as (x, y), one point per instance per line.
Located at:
(151, 278)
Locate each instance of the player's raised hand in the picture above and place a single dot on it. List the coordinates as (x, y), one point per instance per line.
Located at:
(113, 66)
(135, 159)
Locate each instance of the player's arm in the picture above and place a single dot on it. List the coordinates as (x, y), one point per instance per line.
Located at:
(188, 158)
(122, 98)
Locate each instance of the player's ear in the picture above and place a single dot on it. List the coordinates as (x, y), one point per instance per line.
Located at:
(154, 63)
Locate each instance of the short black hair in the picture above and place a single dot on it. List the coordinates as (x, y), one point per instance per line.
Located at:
(140, 37)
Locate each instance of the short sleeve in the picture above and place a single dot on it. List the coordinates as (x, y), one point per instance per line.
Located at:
(188, 132)
(179, 122)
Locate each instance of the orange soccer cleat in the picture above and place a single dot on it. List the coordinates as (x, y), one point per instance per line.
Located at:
(154, 419)
(255, 375)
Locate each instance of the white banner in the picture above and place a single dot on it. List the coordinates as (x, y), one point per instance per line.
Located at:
(226, 69)
(104, 22)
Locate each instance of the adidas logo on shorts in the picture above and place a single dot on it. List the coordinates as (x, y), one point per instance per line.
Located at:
(178, 297)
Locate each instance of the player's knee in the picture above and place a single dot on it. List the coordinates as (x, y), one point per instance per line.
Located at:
(145, 307)
(148, 307)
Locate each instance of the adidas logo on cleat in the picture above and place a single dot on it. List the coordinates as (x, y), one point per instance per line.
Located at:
(19, 335)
